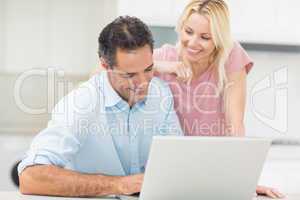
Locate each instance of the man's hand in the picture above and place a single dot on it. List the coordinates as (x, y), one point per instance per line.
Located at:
(130, 184)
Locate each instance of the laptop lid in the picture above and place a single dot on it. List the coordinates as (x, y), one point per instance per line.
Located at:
(211, 168)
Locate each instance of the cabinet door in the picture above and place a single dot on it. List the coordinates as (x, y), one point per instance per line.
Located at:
(155, 12)
(288, 29)
(177, 9)
(253, 21)
(267, 21)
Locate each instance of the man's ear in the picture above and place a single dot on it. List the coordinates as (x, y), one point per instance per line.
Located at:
(103, 63)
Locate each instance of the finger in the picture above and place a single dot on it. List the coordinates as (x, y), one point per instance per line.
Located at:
(261, 189)
(190, 76)
(181, 76)
(179, 79)
(269, 193)
(184, 73)
(189, 81)
(277, 193)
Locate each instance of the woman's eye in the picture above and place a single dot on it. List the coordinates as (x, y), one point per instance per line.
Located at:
(206, 38)
(188, 31)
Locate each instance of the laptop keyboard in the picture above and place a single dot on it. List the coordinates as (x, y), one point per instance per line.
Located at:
(128, 197)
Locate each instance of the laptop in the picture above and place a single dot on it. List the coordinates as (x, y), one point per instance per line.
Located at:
(210, 168)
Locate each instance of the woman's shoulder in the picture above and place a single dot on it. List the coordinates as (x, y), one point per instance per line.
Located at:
(238, 59)
(166, 52)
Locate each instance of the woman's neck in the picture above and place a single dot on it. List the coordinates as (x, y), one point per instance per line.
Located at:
(198, 68)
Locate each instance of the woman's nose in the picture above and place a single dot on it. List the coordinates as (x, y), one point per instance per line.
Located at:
(194, 42)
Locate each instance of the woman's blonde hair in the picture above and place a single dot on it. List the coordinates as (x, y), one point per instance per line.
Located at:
(218, 14)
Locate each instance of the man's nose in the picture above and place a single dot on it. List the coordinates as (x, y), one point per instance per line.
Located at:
(141, 81)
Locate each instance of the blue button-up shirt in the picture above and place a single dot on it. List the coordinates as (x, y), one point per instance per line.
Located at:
(93, 130)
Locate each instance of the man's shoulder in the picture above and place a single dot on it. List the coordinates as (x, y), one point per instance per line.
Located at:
(160, 85)
(85, 98)
(159, 92)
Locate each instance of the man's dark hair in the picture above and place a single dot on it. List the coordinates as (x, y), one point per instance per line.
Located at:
(126, 33)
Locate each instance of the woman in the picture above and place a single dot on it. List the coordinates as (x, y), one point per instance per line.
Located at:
(206, 72)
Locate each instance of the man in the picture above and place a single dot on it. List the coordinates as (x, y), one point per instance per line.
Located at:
(97, 142)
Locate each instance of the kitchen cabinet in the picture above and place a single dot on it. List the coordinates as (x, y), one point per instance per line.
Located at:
(155, 12)
(253, 21)
(268, 21)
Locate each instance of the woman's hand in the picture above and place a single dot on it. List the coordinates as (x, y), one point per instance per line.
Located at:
(183, 72)
(270, 192)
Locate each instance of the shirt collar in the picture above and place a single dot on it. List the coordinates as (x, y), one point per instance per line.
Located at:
(111, 96)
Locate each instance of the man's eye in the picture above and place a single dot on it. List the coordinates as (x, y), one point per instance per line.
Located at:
(128, 75)
(149, 69)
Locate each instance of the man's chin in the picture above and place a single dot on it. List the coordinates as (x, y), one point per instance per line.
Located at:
(139, 98)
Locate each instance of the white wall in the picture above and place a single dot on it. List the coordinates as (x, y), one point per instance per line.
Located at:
(265, 117)
(42, 33)
(39, 34)
(2, 39)
(12, 150)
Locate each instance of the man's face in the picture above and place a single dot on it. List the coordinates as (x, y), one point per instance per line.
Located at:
(132, 74)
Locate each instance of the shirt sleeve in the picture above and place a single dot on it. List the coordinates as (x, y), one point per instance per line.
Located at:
(166, 52)
(61, 140)
(238, 59)
(53, 146)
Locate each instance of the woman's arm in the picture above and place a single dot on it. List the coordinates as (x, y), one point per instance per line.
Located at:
(165, 66)
(235, 100)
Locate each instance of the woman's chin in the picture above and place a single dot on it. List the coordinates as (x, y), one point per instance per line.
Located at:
(192, 58)
(195, 58)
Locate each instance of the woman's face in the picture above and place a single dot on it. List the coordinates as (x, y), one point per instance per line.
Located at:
(196, 38)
